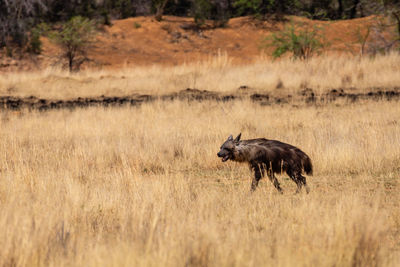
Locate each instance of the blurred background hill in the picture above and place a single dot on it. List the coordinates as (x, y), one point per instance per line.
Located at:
(146, 32)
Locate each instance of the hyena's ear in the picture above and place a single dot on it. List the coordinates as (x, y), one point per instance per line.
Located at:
(230, 138)
(237, 139)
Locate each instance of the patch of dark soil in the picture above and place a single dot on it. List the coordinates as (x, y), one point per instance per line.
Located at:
(191, 94)
(266, 99)
(375, 93)
(34, 103)
(307, 96)
(198, 95)
(260, 97)
(243, 88)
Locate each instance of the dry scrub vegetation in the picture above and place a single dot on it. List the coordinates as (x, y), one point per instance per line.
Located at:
(142, 186)
(217, 74)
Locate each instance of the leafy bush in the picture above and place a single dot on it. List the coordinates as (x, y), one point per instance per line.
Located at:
(300, 40)
(74, 37)
(201, 11)
(35, 45)
(263, 9)
(248, 6)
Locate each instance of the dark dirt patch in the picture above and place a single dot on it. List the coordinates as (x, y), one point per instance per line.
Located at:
(198, 95)
(375, 93)
(34, 103)
(306, 96)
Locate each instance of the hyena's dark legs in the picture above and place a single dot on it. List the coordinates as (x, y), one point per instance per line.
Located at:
(273, 179)
(258, 172)
(302, 179)
(294, 176)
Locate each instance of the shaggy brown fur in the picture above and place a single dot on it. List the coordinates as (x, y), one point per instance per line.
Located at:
(268, 156)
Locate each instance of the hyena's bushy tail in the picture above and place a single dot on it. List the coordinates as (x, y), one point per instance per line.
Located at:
(307, 165)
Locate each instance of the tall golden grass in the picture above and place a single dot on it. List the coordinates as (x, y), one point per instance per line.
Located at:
(142, 186)
(216, 74)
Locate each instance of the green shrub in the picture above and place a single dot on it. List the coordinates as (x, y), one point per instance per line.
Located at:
(263, 9)
(74, 38)
(106, 17)
(248, 6)
(125, 8)
(201, 10)
(300, 40)
(9, 51)
(35, 44)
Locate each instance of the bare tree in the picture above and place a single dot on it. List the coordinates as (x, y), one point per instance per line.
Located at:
(160, 6)
(16, 17)
(392, 8)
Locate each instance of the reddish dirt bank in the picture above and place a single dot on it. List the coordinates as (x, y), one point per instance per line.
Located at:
(145, 41)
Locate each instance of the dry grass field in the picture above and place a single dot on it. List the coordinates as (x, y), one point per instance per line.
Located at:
(216, 74)
(142, 186)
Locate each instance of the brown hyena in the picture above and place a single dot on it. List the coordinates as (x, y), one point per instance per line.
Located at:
(268, 156)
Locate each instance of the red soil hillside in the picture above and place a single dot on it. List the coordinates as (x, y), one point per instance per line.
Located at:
(145, 41)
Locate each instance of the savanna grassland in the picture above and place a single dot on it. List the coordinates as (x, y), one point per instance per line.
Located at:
(216, 74)
(142, 185)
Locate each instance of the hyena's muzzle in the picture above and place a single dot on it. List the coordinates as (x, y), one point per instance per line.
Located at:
(227, 148)
(225, 154)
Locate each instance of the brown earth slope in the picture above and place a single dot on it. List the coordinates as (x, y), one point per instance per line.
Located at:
(173, 41)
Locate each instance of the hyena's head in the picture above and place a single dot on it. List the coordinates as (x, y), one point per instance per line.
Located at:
(228, 148)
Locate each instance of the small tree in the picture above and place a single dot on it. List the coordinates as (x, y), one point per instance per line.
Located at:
(249, 6)
(201, 10)
(159, 6)
(300, 40)
(362, 38)
(392, 8)
(16, 18)
(35, 44)
(262, 9)
(75, 37)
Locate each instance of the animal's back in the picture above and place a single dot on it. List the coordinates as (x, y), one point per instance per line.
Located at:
(284, 152)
